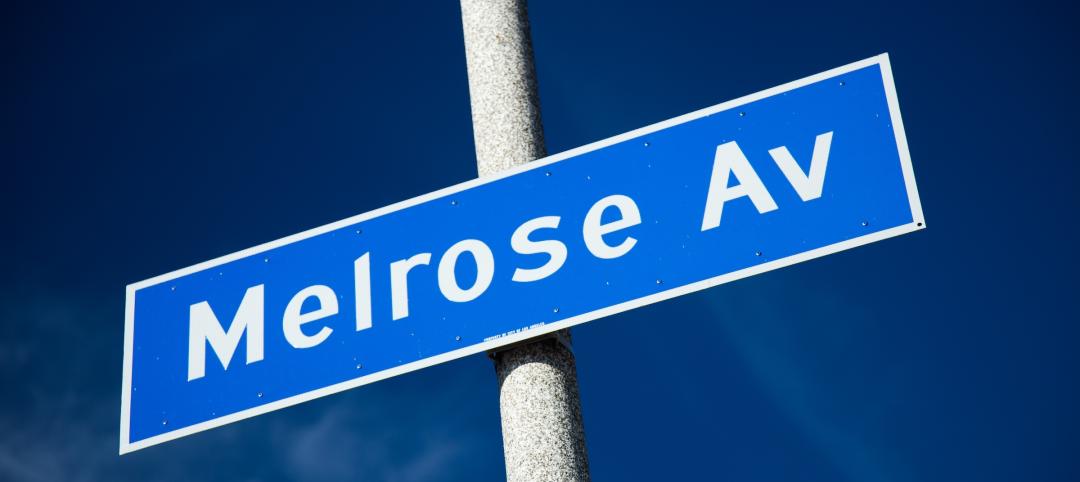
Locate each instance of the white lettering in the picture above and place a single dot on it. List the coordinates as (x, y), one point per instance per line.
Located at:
(593, 231)
(362, 290)
(293, 319)
(485, 270)
(204, 327)
(399, 283)
(808, 186)
(555, 249)
(730, 159)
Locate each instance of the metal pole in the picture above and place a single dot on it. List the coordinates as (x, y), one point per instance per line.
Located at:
(543, 435)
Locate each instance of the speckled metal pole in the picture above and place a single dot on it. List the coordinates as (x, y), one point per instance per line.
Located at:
(543, 435)
(502, 84)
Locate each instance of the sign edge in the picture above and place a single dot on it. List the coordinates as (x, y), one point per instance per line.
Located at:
(126, 446)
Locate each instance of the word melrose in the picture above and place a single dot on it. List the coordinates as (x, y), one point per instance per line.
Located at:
(602, 240)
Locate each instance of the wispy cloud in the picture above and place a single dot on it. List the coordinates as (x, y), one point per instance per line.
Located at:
(809, 367)
(345, 444)
(60, 420)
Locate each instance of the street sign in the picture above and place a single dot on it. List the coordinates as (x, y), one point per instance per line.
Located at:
(789, 174)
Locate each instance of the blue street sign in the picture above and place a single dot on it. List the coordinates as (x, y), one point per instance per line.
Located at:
(795, 172)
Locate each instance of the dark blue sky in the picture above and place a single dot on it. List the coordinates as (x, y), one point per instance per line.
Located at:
(140, 138)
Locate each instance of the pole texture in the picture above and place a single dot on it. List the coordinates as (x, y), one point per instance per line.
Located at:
(543, 434)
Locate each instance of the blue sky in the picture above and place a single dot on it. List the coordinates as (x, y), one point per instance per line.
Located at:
(139, 138)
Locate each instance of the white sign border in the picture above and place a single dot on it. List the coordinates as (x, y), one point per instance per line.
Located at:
(918, 222)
